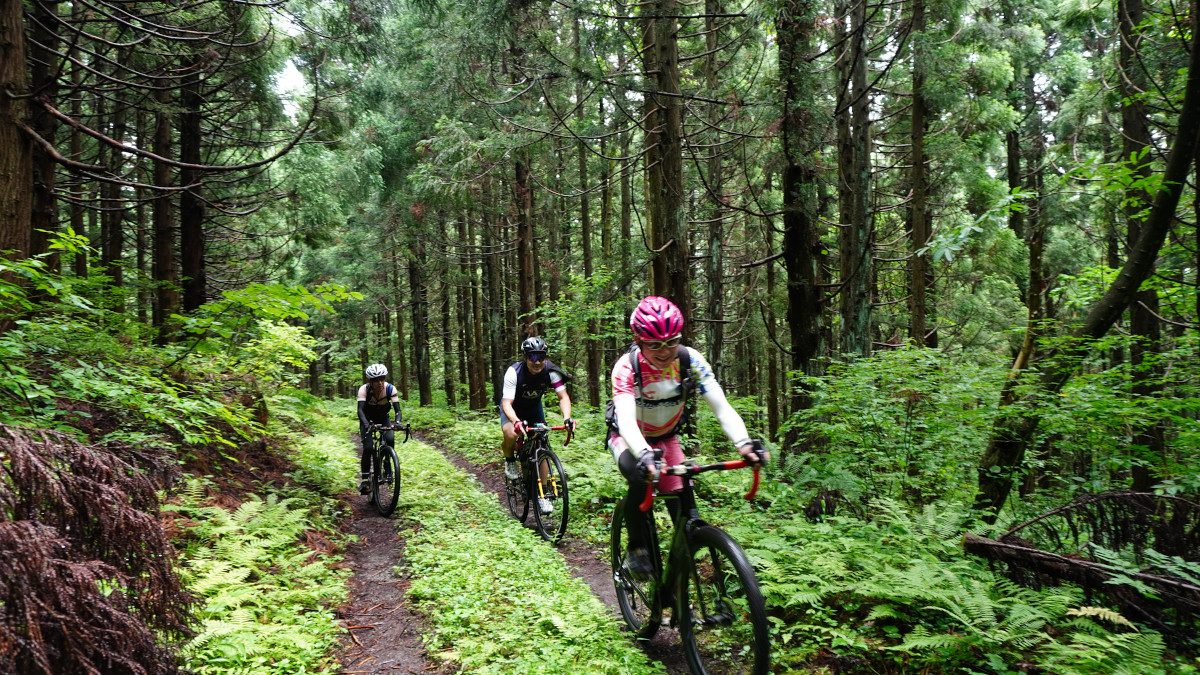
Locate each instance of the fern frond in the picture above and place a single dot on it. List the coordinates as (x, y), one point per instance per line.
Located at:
(1102, 613)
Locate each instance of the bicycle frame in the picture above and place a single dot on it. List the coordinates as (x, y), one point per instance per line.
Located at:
(543, 482)
(674, 571)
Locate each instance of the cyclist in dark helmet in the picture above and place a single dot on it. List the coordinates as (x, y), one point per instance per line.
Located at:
(374, 399)
(521, 400)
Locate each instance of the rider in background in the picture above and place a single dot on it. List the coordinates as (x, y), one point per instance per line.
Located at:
(649, 398)
(374, 399)
(521, 400)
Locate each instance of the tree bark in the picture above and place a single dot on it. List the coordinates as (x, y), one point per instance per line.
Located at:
(801, 238)
(854, 188)
(191, 205)
(418, 294)
(163, 267)
(44, 66)
(919, 267)
(16, 149)
(670, 272)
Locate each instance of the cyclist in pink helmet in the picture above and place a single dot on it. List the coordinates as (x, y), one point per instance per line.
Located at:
(651, 385)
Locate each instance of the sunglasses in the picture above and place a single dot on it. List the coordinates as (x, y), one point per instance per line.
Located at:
(535, 357)
(654, 345)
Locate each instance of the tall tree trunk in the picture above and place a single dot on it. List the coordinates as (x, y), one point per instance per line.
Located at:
(44, 67)
(420, 317)
(591, 342)
(163, 267)
(664, 156)
(523, 199)
(714, 271)
(401, 335)
(1148, 441)
(854, 188)
(16, 149)
(448, 280)
(801, 238)
(78, 226)
(919, 277)
(1011, 434)
(191, 205)
(112, 217)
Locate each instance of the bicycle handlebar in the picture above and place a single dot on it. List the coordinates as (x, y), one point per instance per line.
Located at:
(541, 426)
(407, 429)
(690, 468)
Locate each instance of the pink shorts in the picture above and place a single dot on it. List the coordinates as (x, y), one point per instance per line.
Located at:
(672, 455)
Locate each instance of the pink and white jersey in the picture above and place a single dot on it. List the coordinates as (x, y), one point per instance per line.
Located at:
(659, 405)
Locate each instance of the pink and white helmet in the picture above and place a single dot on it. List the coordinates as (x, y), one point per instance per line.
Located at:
(656, 318)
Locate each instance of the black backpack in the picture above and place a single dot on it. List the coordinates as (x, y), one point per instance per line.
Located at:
(686, 386)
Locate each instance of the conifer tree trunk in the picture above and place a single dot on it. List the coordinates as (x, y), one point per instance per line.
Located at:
(163, 267)
(523, 200)
(664, 156)
(1144, 309)
(191, 206)
(44, 66)
(447, 284)
(919, 264)
(420, 317)
(591, 346)
(854, 187)
(801, 242)
(714, 269)
(401, 337)
(16, 149)
(76, 148)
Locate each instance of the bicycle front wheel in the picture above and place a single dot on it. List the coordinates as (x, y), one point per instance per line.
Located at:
(636, 598)
(551, 495)
(722, 617)
(386, 481)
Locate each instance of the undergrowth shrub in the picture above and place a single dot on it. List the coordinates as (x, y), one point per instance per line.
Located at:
(267, 598)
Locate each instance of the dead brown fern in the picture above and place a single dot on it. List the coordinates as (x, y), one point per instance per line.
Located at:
(87, 583)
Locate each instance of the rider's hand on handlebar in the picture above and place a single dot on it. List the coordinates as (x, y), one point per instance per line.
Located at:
(754, 452)
(519, 428)
(648, 465)
(569, 424)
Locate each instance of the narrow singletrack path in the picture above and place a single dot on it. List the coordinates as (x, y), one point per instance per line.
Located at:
(384, 632)
(586, 562)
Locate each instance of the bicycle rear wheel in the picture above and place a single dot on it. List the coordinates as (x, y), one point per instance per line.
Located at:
(517, 496)
(722, 617)
(385, 481)
(637, 599)
(550, 482)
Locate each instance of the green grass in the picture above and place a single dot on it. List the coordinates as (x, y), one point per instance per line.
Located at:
(500, 599)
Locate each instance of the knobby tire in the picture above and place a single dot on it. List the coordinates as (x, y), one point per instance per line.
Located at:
(551, 525)
(722, 618)
(385, 480)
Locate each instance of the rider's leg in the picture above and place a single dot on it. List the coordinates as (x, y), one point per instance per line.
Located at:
(368, 448)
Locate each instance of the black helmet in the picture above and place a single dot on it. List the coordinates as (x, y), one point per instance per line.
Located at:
(533, 344)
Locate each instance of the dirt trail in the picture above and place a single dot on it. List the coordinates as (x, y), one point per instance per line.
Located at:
(386, 632)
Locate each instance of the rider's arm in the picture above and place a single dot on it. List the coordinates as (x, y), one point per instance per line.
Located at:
(626, 408)
(362, 402)
(509, 413)
(731, 421)
(564, 400)
(396, 409)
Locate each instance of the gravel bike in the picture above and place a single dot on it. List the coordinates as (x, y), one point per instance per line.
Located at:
(540, 476)
(385, 469)
(707, 582)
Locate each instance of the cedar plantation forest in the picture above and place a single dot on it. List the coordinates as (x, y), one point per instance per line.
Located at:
(943, 255)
